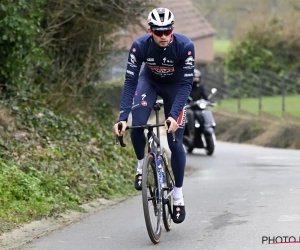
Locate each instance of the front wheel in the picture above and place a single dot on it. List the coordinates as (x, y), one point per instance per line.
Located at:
(210, 144)
(151, 204)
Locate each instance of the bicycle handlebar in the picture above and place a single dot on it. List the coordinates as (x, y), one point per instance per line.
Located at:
(168, 122)
(120, 126)
(120, 138)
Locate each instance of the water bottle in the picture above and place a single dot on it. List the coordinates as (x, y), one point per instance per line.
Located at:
(161, 172)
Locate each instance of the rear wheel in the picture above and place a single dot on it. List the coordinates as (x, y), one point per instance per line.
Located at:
(151, 205)
(168, 203)
(210, 144)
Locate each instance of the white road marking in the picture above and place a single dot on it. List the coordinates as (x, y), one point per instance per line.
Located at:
(277, 158)
(293, 217)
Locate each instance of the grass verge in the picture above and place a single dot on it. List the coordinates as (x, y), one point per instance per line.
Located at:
(272, 105)
(51, 162)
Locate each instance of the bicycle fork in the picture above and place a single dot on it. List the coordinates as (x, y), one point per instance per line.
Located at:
(166, 199)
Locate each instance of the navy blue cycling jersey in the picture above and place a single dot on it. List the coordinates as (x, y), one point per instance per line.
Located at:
(173, 64)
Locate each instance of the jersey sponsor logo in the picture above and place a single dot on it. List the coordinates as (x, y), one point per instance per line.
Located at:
(135, 105)
(189, 60)
(132, 60)
(188, 67)
(161, 70)
(188, 75)
(130, 72)
(150, 59)
(166, 60)
(182, 118)
(148, 63)
(143, 96)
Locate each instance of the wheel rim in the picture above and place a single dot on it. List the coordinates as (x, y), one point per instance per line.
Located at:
(154, 207)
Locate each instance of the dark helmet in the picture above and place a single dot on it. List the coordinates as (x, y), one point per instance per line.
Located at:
(197, 73)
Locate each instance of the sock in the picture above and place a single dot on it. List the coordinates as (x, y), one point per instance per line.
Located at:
(140, 166)
(177, 193)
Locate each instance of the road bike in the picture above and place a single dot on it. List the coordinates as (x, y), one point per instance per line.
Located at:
(157, 179)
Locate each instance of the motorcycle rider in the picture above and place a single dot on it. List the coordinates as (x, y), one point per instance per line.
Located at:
(197, 93)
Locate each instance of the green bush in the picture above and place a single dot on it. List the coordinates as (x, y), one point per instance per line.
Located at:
(20, 51)
(264, 45)
(248, 55)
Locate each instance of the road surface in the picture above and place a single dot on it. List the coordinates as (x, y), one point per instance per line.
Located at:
(235, 199)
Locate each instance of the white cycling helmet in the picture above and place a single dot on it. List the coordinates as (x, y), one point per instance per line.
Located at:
(161, 19)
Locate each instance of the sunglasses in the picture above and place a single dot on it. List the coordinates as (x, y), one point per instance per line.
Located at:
(160, 33)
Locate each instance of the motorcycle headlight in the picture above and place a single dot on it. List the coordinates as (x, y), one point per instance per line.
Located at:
(202, 105)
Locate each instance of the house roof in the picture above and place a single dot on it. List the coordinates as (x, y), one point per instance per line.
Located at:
(188, 21)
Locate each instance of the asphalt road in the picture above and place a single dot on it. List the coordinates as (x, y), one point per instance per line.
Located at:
(233, 199)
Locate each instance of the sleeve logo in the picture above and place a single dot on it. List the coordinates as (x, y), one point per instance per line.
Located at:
(132, 58)
(189, 60)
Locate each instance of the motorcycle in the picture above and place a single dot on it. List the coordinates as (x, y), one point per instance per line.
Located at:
(203, 134)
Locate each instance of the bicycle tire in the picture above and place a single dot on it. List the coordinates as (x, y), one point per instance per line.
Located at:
(154, 234)
(167, 216)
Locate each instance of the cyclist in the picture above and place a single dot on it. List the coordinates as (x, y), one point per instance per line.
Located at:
(168, 72)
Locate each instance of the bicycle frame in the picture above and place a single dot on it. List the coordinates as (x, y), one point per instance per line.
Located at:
(156, 153)
(153, 140)
(154, 148)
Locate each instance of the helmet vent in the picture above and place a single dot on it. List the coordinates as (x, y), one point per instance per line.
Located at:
(153, 17)
(161, 16)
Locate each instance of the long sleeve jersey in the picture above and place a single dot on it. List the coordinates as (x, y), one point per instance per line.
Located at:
(165, 65)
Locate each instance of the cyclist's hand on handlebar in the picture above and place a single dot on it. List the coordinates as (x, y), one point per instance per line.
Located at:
(173, 127)
(124, 125)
